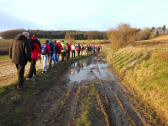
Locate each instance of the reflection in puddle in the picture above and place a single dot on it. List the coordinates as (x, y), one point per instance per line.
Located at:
(89, 69)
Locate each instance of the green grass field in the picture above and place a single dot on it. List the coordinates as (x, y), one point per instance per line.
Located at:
(4, 57)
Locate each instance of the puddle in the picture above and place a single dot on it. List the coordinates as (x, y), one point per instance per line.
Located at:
(89, 69)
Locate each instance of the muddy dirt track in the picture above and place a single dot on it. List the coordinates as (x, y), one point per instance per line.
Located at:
(93, 96)
(87, 95)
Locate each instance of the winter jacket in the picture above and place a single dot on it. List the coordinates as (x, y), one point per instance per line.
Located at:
(60, 46)
(20, 50)
(36, 51)
(72, 47)
(52, 46)
(45, 49)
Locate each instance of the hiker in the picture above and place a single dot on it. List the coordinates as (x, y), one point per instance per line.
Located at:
(63, 43)
(35, 55)
(68, 49)
(93, 49)
(73, 50)
(55, 55)
(78, 49)
(99, 48)
(52, 50)
(45, 49)
(88, 49)
(20, 54)
(82, 49)
(60, 48)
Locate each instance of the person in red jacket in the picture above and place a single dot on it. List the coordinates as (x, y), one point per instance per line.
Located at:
(60, 48)
(36, 54)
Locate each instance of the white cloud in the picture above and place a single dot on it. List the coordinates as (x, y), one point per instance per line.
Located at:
(87, 14)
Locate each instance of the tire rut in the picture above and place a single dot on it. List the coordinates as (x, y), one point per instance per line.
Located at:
(120, 111)
(62, 111)
(128, 108)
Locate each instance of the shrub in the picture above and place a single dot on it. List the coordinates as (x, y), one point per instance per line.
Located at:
(122, 36)
(144, 34)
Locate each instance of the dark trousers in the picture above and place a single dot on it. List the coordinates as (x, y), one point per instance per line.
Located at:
(20, 71)
(67, 56)
(73, 53)
(63, 56)
(50, 59)
(78, 53)
(32, 69)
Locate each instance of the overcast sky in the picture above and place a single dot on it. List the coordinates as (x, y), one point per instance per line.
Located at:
(81, 14)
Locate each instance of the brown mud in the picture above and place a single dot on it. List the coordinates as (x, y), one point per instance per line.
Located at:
(88, 94)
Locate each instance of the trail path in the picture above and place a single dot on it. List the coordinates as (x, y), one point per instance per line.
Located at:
(88, 94)
(110, 104)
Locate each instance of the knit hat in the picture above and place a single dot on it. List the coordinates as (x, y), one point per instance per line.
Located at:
(26, 34)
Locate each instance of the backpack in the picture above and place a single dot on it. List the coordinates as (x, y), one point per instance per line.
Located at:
(44, 50)
(52, 46)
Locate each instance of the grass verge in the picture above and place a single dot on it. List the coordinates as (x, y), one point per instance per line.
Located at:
(144, 70)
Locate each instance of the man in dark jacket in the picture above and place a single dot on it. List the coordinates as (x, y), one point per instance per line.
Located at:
(20, 53)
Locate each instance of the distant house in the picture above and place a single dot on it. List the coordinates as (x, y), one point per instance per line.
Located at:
(1, 37)
(166, 32)
(161, 31)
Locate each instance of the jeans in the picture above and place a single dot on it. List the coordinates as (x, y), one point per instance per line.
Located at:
(45, 62)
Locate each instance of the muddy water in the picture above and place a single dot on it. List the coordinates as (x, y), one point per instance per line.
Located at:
(118, 110)
(89, 69)
(92, 96)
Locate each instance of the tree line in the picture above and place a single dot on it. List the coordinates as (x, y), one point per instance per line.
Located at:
(76, 35)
